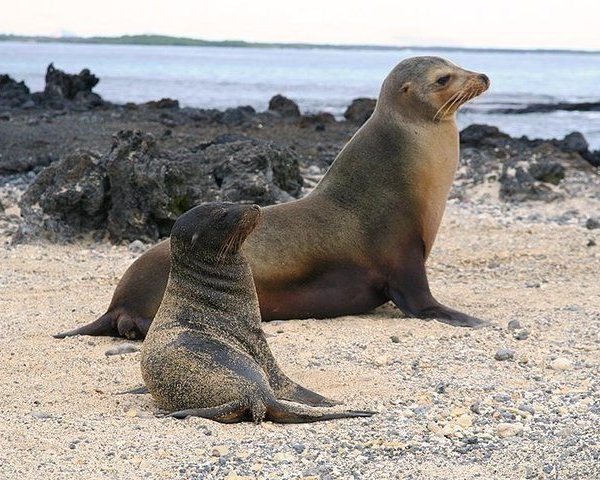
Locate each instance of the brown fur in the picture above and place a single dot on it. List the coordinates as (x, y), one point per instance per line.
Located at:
(362, 236)
(205, 353)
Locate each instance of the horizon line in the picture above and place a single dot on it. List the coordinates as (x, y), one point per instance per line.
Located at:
(169, 40)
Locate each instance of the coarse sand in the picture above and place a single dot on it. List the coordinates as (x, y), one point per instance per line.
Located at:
(448, 408)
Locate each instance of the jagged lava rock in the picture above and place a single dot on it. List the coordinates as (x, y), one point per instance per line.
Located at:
(137, 190)
(360, 110)
(66, 198)
(12, 93)
(284, 106)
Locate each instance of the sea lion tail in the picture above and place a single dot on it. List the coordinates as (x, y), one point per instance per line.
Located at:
(105, 325)
(281, 411)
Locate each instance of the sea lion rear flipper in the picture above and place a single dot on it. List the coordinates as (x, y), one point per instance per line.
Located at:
(105, 325)
(231, 412)
(113, 323)
(281, 411)
(283, 386)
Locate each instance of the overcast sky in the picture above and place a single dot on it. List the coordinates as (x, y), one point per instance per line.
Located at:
(572, 24)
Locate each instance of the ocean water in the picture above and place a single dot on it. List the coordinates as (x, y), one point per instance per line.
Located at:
(318, 79)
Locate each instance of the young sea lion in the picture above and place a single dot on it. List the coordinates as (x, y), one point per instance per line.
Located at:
(205, 353)
(362, 237)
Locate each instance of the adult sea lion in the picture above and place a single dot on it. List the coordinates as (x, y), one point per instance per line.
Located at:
(205, 353)
(362, 236)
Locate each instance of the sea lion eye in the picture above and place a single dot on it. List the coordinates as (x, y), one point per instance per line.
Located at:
(443, 80)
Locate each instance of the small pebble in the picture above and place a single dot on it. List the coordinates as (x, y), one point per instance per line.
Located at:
(502, 397)
(395, 339)
(440, 388)
(504, 354)
(561, 364)
(524, 407)
(137, 246)
(298, 447)
(505, 430)
(220, 451)
(122, 349)
(591, 242)
(514, 325)
(283, 457)
(41, 415)
(592, 223)
(521, 335)
(464, 421)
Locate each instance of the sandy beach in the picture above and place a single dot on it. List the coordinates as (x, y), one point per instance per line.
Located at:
(443, 399)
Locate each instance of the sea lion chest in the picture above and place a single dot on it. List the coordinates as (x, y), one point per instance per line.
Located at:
(434, 170)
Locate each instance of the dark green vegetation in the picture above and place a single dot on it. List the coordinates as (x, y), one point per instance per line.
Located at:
(195, 42)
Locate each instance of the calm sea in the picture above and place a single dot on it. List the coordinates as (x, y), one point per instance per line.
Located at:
(317, 79)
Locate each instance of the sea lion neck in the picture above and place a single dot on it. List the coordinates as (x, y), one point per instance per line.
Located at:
(383, 157)
(213, 288)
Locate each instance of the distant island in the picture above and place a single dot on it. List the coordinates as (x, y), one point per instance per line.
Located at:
(166, 40)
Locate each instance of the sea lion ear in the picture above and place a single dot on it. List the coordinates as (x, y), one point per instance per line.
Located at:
(406, 87)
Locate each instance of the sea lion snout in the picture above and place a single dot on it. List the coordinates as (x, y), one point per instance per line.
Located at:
(485, 79)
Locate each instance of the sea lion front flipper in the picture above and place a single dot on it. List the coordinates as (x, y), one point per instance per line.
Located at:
(423, 305)
(452, 317)
(409, 290)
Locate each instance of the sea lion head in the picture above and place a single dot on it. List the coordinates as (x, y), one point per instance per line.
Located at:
(429, 89)
(214, 230)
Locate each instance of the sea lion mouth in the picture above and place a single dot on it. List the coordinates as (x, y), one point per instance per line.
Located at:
(247, 223)
(473, 87)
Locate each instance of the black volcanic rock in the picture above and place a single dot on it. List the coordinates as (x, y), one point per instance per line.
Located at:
(477, 135)
(236, 116)
(574, 142)
(318, 120)
(551, 107)
(284, 106)
(360, 110)
(163, 103)
(64, 91)
(61, 84)
(68, 197)
(137, 190)
(12, 93)
(23, 164)
(593, 158)
(530, 180)
(524, 169)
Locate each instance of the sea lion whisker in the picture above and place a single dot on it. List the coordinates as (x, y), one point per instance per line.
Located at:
(435, 117)
(457, 103)
(456, 99)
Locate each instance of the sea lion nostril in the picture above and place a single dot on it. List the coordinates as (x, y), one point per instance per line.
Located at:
(484, 78)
